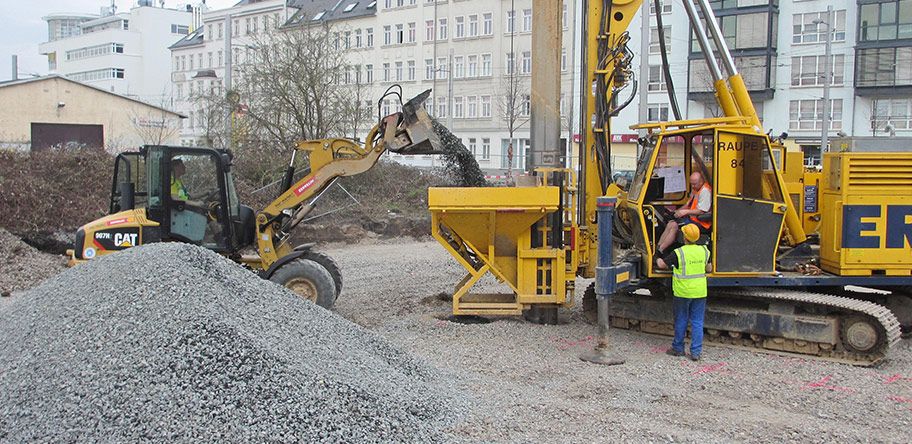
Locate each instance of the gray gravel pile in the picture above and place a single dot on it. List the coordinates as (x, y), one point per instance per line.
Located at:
(172, 342)
(22, 266)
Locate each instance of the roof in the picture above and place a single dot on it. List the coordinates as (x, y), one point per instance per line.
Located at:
(9, 83)
(330, 10)
(192, 39)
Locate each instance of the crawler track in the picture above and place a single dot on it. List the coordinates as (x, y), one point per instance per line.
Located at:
(823, 326)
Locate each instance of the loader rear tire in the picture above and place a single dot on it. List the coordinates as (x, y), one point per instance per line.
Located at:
(308, 279)
(330, 265)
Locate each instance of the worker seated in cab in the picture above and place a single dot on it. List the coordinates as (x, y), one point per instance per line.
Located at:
(178, 190)
(700, 203)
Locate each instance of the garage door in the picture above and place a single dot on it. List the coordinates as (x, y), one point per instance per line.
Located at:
(65, 135)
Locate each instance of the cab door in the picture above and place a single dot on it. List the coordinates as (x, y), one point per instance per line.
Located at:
(748, 205)
(128, 188)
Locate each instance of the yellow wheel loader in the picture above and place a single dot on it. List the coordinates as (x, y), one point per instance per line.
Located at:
(184, 194)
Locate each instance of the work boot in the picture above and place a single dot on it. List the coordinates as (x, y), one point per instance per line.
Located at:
(696, 358)
(673, 352)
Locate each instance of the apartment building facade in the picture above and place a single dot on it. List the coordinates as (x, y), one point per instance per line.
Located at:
(124, 53)
(779, 47)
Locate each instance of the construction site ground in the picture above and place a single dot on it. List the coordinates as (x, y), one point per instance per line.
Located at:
(525, 382)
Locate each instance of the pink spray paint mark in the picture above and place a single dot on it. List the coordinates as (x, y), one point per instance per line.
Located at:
(895, 378)
(822, 384)
(566, 344)
(711, 368)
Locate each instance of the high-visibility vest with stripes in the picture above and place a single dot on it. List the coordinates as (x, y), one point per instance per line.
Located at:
(689, 276)
(692, 205)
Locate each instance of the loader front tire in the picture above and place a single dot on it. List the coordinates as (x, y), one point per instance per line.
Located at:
(309, 280)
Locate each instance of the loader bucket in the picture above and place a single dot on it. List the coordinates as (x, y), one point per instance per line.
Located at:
(415, 131)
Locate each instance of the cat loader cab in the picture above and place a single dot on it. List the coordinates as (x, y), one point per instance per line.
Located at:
(184, 194)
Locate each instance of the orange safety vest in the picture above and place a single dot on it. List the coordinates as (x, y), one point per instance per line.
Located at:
(694, 199)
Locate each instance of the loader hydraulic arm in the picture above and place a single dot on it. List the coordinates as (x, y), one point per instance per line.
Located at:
(405, 132)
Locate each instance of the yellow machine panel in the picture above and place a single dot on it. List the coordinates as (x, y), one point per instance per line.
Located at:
(867, 214)
(110, 234)
(490, 230)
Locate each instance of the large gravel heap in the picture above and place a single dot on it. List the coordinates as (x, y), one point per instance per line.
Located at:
(173, 342)
(22, 266)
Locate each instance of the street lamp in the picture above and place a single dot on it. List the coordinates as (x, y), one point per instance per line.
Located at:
(824, 135)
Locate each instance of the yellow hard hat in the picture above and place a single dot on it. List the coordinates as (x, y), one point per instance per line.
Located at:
(691, 232)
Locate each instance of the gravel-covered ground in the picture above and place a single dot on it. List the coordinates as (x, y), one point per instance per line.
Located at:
(528, 385)
(522, 382)
(22, 266)
(170, 342)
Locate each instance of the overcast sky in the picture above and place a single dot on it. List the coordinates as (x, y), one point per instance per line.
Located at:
(22, 28)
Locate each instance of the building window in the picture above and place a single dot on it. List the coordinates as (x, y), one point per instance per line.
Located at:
(473, 25)
(387, 35)
(347, 39)
(458, 67)
(184, 30)
(485, 106)
(457, 108)
(369, 73)
(527, 20)
(247, 25)
(221, 58)
(657, 113)
(398, 71)
(563, 59)
(209, 59)
(487, 23)
(804, 30)
(472, 107)
(656, 79)
(237, 27)
(473, 66)
(516, 159)
(511, 64)
(412, 32)
(442, 68)
(97, 74)
(886, 21)
(428, 69)
(386, 72)
(526, 106)
(485, 149)
(95, 51)
(221, 30)
(441, 106)
(473, 146)
(400, 34)
(358, 41)
(526, 62)
(809, 70)
(564, 16)
(460, 27)
(410, 69)
(511, 21)
(666, 7)
(895, 112)
(654, 46)
(442, 29)
(429, 30)
(486, 65)
(369, 38)
(808, 114)
(884, 67)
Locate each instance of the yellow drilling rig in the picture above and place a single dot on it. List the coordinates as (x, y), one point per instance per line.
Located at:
(538, 239)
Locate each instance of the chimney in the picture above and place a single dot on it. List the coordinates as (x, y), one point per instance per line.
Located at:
(15, 67)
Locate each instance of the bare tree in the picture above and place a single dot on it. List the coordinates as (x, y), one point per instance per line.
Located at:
(291, 86)
(514, 107)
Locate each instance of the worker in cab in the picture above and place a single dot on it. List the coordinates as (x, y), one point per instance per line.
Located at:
(689, 265)
(178, 190)
(700, 203)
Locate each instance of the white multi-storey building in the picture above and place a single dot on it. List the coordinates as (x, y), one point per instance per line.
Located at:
(125, 53)
(469, 52)
(779, 47)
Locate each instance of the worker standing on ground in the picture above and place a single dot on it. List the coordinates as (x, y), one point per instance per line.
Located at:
(689, 265)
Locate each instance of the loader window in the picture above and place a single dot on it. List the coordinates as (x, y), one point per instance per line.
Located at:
(197, 199)
(671, 168)
(744, 167)
(642, 167)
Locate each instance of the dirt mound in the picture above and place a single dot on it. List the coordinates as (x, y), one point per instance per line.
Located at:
(22, 266)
